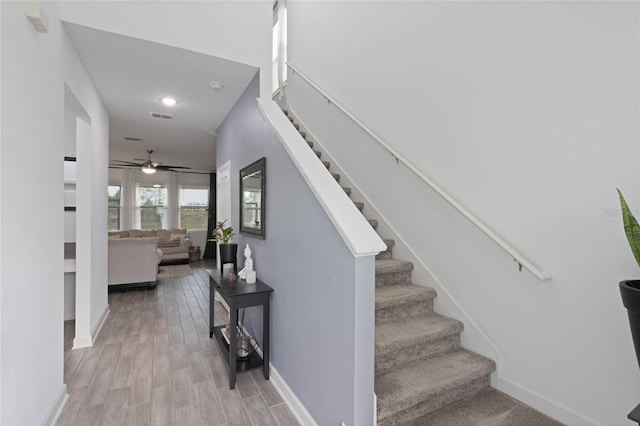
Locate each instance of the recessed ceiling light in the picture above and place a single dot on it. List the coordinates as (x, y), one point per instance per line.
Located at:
(216, 85)
(157, 185)
(169, 101)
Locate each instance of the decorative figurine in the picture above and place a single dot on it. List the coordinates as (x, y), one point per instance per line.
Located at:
(248, 265)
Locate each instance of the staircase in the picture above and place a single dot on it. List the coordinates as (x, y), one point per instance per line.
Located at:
(422, 374)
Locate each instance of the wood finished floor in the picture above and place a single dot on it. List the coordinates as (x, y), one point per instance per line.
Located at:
(154, 364)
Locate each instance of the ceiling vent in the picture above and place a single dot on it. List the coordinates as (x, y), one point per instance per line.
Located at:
(132, 139)
(161, 115)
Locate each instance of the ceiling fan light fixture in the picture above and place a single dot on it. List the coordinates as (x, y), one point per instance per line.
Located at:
(169, 101)
(148, 169)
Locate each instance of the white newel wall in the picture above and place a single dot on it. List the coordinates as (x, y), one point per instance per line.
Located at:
(527, 114)
(31, 213)
(92, 151)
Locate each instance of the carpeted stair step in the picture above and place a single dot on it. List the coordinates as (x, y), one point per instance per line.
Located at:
(418, 388)
(487, 407)
(373, 223)
(290, 119)
(297, 126)
(286, 112)
(317, 153)
(387, 253)
(303, 134)
(336, 176)
(310, 144)
(403, 301)
(393, 272)
(409, 339)
(347, 190)
(359, 205)
(327, 164)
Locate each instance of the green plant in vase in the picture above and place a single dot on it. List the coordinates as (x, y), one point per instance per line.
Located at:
(223, 234)
(228, 251)
(630, 289)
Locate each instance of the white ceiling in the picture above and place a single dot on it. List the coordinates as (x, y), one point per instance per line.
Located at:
(131, 75)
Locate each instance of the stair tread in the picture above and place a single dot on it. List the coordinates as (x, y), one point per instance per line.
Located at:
(401, 293)
(417, 381)
(389, 242)
(488, 407)
(398, 334)
(384, 266)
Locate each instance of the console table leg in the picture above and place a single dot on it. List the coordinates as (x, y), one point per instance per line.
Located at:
(212, 294)
(233, 329)
(266, 335)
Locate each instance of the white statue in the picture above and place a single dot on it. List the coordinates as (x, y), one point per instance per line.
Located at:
(248, 264)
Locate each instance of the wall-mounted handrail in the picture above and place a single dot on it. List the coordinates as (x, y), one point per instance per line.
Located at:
(519, 258)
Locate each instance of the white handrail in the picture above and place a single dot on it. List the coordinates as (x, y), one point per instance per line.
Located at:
(519, 258)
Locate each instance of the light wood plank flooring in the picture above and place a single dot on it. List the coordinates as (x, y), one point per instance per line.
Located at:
(153, 363)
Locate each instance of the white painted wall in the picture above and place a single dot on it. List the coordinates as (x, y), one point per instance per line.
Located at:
(31, 215)
(1, 180)
(239, 31)
(527, 114)
(92, 151)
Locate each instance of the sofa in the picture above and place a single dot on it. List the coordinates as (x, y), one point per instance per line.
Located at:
(133, 262)
(174, 249)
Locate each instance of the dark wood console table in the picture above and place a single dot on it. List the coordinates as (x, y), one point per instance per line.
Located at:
(239, 294)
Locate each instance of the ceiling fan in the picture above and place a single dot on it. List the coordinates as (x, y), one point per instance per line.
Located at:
(147, 165)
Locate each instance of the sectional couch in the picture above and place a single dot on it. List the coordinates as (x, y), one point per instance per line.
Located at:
(133, 262)
(174, 243)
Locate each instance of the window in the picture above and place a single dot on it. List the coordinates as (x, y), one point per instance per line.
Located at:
(193, 205)
(114, 191)
(279, 45)
(151, 206)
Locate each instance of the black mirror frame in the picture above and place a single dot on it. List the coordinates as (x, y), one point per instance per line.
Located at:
(260, 165)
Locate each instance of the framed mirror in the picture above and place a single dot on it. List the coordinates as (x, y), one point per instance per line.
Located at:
(253, 181)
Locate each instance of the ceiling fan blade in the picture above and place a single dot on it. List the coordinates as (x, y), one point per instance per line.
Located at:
(167, 167)
(127, 162)
(144, 160)
(193, 173)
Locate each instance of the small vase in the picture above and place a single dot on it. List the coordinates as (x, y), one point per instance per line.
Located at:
(229, 254)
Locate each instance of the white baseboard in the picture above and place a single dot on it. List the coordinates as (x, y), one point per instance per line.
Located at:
(87, 341)
(297, 408)
(101, 322)
(540, 403)
(82, 342)
(56, 409)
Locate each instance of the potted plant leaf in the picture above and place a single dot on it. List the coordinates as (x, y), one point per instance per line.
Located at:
(630, 289)
(228, 251)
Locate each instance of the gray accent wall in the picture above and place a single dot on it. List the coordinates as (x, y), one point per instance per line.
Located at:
(322, 315)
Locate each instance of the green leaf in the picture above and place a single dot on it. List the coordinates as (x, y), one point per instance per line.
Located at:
(631, 228)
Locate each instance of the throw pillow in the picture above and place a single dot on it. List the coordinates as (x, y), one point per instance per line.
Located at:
(181, 237)
(171, 243)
